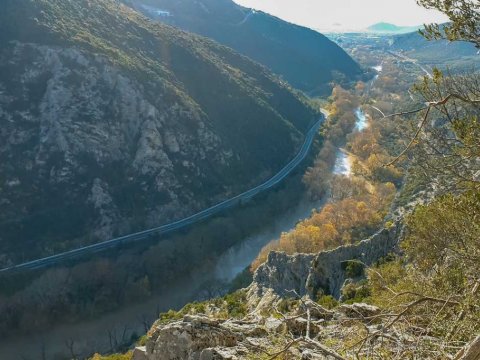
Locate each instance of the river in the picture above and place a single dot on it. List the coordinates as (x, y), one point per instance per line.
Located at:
(343, 164)
(362, 122)
(97, 334)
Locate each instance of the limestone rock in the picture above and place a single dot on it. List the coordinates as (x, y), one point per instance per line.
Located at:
(140, 353)
(298, 326)
(220, 354)
(189, 338)
(308, 274)
(359, 310)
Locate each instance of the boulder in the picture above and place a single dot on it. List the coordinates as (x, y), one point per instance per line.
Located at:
(188, 339)
(359, 310)
(221, 353)
(140, 353)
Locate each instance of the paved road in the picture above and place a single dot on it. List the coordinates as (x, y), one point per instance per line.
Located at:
(413, 61)
(51, 260)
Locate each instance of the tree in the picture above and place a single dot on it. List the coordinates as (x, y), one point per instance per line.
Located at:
(433, 291)
(464, 18)
(446, 141)
(317, 178)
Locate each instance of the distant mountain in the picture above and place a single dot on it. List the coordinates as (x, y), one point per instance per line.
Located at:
(436, 52)
(303, 57)
(386, 28)
(113, 123)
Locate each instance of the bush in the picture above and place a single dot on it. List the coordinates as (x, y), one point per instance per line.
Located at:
(236, 304)
(356, 292)
(169, 316)
(353, 269)
(287, 305)
(127, 356)
(327, 301)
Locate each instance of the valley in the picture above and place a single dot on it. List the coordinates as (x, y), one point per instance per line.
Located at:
(200, 180)
(117, 328)
(179, 224)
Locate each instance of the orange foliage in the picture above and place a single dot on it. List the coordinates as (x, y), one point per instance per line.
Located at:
(337, 223)
(359, 203)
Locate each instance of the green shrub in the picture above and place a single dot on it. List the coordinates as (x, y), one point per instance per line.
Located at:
(236, 304)
(353, 268)
(356, 292)
(169, 316)
(126, 356)
(327, 301)
(142, 341)
(287, 305)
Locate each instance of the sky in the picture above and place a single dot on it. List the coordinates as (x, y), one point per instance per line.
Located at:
(341, 15)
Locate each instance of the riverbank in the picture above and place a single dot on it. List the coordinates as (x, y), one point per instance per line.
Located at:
(104, 333)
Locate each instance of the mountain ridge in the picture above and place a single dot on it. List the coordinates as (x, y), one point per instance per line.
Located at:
(115, 122)
(435, 53)
(305, 58)
(384, 27)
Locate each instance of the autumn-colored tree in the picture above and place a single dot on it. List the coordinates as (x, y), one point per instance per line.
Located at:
(344, 221)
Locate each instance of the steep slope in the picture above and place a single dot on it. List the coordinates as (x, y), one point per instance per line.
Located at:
(436, 52)
(303, 57)
(111, 123)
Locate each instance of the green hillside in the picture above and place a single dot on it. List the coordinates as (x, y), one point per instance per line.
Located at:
(114, 123)
(305, 58)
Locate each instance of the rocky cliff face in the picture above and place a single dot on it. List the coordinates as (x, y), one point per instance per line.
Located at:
(306, 274)
(92, 132)
(278, 308)
(111, 124)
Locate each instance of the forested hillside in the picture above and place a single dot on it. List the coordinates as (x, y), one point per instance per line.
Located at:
(306, 59)
(434, 53)
(113, 123)
(410, 290)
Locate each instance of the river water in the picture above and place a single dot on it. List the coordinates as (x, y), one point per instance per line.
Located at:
(97, 334)
(343, 165)
(361, 123)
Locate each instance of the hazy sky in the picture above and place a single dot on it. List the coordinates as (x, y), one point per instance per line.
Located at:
(346, 14)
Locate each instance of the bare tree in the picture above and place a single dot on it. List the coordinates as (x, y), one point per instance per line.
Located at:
(70, 345)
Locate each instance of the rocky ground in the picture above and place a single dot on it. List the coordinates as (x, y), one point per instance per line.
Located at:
(275, 317)
(283, 314)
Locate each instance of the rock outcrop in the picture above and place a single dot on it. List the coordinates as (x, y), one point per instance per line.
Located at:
(109, 132)
(195, 337)
(281, 317)
(204, 338)
(308, 274)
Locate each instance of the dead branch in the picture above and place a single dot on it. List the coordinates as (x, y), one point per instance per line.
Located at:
(285, 349)
(324, 349)
(408, 307)
(428, 107)
(470, 352)
(403, 113)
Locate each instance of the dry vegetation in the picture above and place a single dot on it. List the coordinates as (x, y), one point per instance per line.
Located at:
(357, 203)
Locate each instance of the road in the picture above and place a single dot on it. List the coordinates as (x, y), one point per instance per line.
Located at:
(247, 195)
(413, 61)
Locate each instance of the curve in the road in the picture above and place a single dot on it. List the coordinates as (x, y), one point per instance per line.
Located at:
(284, 172)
